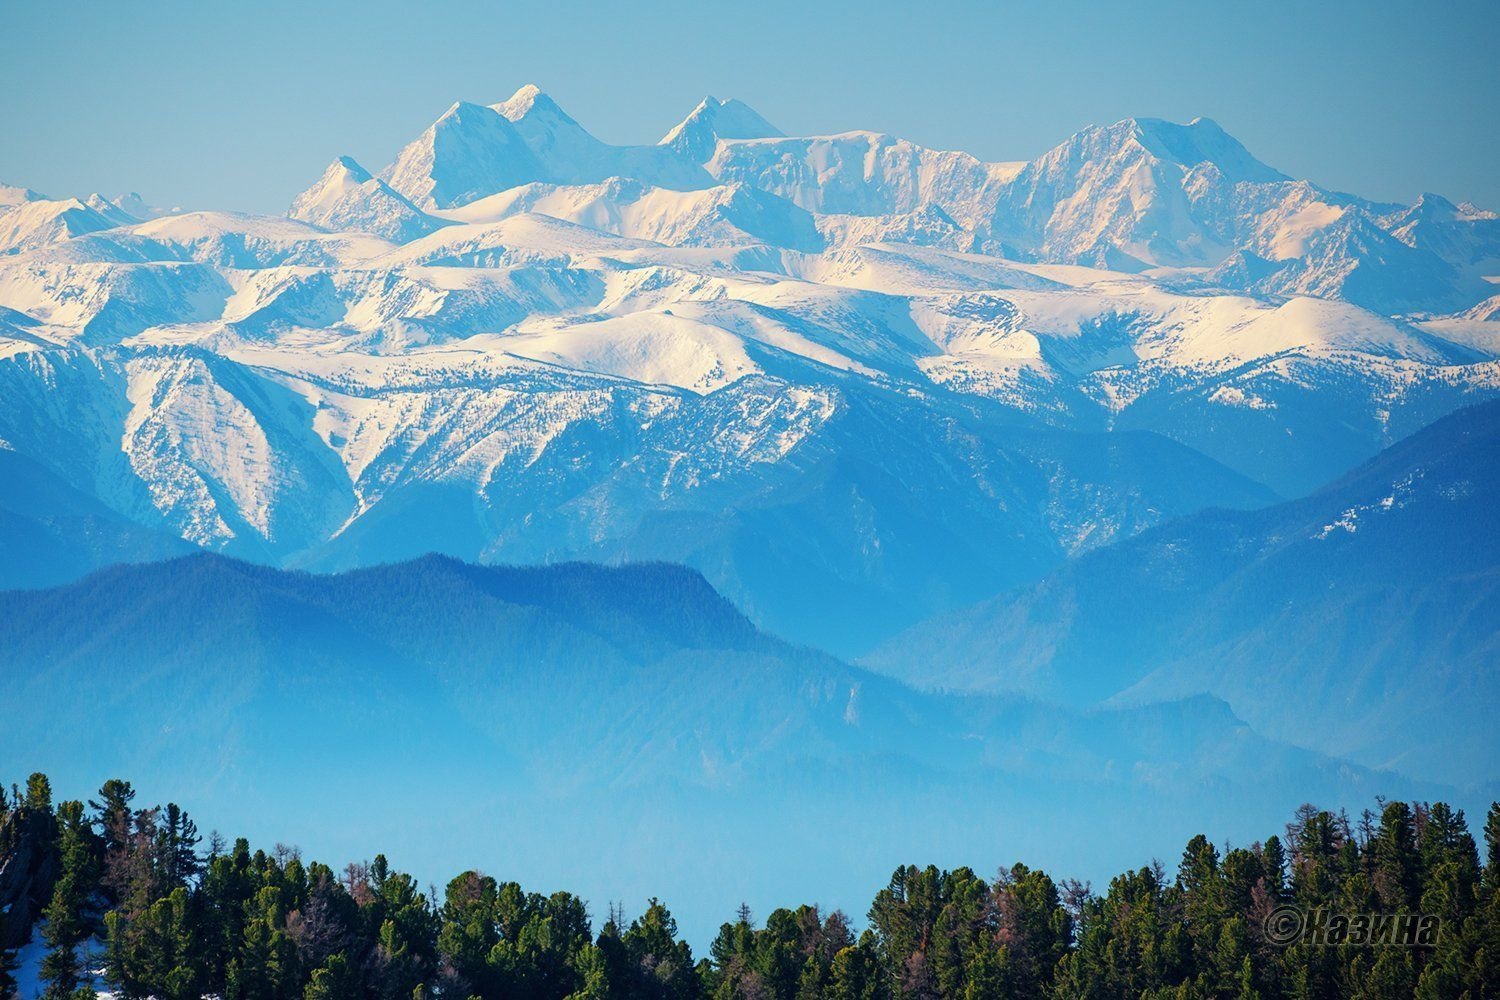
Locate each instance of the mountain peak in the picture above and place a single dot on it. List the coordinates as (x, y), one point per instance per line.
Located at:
(349, 198)
(11, 196)
(1201, 140)
(133, 205)
(531, 100)
(1130, 193)
(343, 173)
(697, 134)
(526, 93)
(1435, 208)
(469, 152)
(348, 165)
(461, 112)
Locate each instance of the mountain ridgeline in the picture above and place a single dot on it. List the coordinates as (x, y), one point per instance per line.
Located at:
(853, 381)
(136, 902)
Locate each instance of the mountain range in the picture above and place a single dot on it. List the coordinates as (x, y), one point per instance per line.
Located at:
(852, 380)
(751, 508)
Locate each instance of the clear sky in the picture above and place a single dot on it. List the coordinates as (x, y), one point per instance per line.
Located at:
(241, 105)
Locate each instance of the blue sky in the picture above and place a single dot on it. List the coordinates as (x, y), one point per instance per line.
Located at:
(242, 105)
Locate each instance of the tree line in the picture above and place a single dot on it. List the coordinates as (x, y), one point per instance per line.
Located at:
(135, 899)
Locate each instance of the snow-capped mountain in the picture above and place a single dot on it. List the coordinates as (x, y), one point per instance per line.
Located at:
(853, 380)
(697, 135)
(28, 220)
(348, 198)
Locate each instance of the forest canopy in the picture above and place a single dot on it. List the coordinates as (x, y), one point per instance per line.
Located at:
(132, 899)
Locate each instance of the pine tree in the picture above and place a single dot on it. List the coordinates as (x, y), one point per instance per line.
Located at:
(67, 924)
(1317, 841)
(593, 975)
(113, 813)
(904, 915)
(326, 922)
(1492, 848)
(266, 967)
(855, 972)
(405, 945)
(156, 952)
(469, 931)
(1273, 857)
(1391, 975)
(663, 963)
(38, 793)
(177, 847)
(1397, 869)
(334, 980)
(226, 890)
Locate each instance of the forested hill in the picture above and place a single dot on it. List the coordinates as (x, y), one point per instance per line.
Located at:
(431, 610)
(135, 901)
(600, 722)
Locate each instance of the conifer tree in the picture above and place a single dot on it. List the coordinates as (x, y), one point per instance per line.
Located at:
(67, 923)
(593, 975)
(468, 933)
(1396, 874)
(113, 813)
(663, 963)
(1492, 848)
(38, 793)
(855, 971)
(334, 980)
(177, 847)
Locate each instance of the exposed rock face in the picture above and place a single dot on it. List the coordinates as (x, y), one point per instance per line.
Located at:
(28, 867)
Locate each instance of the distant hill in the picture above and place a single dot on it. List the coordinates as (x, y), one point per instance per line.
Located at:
(1362, 621)
(560, 702)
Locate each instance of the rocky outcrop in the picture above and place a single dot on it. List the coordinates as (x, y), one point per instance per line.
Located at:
(28, 867)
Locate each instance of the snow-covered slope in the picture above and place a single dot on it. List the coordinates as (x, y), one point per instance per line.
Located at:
(473, 151)
(697, 135)
(900, 376)
(35, 222)
(12, 195)
(863, 173)
(347, 197)
(469, 152)
(568, 154)
(1138, 192)
(722, 216)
